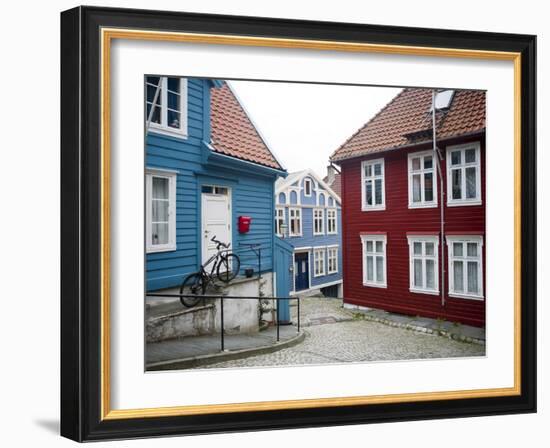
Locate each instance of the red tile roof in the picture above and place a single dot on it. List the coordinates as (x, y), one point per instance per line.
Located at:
(401, 122)
(233, 133)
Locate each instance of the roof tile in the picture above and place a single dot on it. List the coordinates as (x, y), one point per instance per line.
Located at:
(403, 119)
(233, 133)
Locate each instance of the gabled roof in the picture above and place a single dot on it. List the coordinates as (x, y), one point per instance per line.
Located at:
(282, 184)
(406, 120)
(232, 130)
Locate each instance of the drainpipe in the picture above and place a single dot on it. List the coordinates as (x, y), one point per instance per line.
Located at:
(437, 159)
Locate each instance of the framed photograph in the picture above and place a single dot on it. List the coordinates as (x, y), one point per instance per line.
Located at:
(278, 224)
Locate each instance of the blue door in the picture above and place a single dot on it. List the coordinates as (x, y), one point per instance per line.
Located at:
(283, 262)
(301, 270)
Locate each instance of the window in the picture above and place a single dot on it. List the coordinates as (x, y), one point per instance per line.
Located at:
(463, 175)
(279, 221)
(372, 185)
(374, 260)
(307, 187)
(465, 266)
(332, 219)
(319, 262)
(422, 180)
(318, 221)
(160, 211)
(169, 111)
(295, 218)
(212, 189)
(332, 260)
(424, 269)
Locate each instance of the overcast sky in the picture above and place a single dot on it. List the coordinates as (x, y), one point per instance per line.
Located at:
(304, 123)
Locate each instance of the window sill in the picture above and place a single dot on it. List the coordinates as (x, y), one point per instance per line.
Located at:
(168, 132)
(154, 250)
(376, 285)
(319, 275)
(333, 272)
(464, 203)
(424, 291)
(294, 235)
(466, 296)
(318, 234)
(430, 205)
(373, 209)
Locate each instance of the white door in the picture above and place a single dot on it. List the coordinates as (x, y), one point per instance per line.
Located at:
(216, 219)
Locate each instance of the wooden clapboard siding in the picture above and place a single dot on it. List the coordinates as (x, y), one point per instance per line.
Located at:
(252, 194)
(308, 239)
(396, 221)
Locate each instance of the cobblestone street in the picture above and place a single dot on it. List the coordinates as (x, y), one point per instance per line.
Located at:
(337, 335)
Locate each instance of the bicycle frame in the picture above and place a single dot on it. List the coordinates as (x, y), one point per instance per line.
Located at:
(214, 258)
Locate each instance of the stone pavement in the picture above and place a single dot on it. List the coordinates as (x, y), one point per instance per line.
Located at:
(338, 335)
(196, 351)
(359, 341)
(453, 330)
(316, 310)
(330, 334)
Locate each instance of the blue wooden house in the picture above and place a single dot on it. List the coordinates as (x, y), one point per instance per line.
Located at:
(308, 215)
(206, 166)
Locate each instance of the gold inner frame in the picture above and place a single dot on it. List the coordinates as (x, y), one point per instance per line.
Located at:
(107, 35)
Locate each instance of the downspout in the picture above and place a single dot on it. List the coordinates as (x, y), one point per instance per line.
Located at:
(437, 160)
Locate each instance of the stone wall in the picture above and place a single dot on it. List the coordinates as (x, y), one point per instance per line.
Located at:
(240, 315)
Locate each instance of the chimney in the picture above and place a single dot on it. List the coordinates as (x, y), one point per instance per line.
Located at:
(331, 172)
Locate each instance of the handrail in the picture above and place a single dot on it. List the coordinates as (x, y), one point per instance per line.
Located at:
(223, 297)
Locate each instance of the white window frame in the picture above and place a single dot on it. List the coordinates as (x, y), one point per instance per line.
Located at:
(291, 211)
(319, 219)
(279, 220)
(364, 206)
(423, 203)
(319, 255)
(464, 201)
(308, 182)
(163, 127)
(374, 238)
(435, 257)
(478, 239)
(172, 180)
(332, 253)
(332, 211)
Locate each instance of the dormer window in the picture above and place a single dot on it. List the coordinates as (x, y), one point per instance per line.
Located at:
(166, 105)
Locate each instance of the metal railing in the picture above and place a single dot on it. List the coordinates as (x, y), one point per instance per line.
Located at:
(222, 297)
(256, 249)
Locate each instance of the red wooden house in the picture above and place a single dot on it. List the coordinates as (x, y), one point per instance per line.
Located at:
(413, 237)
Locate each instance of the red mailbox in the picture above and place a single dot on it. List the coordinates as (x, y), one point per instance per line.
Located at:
(244, 224)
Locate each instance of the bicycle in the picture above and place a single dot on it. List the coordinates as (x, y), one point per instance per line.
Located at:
(225, 264)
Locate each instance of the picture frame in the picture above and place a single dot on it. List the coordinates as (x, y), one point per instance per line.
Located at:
(86, 36)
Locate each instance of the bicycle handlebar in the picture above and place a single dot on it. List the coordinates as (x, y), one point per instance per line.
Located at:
(219, 243)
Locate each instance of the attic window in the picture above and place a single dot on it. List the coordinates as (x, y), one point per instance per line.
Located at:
(443, 99)
(307, 187)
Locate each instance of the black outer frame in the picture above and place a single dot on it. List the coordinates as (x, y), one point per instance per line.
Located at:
(81, 207)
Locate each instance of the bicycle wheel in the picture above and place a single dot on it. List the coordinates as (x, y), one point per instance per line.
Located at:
(228, 267)
(193, 285)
